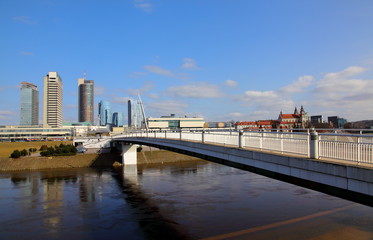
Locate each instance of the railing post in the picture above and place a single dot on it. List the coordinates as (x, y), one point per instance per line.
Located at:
(180, 135)
(261, 140)
(240, 139)
(282, 142)
(358, 150)
(314, 144)
(203, 136)
(165, 134)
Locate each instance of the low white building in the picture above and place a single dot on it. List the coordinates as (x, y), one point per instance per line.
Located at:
(34, 133)
(171, 122)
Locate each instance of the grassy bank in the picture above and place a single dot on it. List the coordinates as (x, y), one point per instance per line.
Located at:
(87, 160)
(6, 148)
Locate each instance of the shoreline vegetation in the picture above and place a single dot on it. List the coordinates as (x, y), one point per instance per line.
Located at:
(84, 160)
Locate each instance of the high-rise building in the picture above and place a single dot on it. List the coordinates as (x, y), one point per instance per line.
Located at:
(135, 115)
(104, 113)
(86, 100)
(29, 114)
(52, 104)
(118, 119)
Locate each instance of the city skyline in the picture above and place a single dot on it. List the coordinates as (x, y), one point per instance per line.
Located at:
(221, 60)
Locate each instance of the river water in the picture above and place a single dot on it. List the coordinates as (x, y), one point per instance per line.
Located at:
(189, 200)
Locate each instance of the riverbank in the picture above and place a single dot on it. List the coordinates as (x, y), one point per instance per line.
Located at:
(87, 160)
(6, 148)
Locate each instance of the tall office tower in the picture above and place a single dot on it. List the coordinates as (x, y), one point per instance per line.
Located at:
(118, 119)
(29, 114)
(52, 104)
(86, 102)
(135, 115)
(104, 113)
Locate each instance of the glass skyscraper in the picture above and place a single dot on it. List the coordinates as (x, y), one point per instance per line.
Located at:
(86, 100)
(104, 113)
(135, 115)
(29, 114)
(118, 119)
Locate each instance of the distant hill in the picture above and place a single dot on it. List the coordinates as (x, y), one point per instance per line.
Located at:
(364, 124)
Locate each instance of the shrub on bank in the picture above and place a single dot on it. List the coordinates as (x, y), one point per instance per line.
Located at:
(43, 148)
(24, 152)
(61, 150)
(32, 150)
(15, 154)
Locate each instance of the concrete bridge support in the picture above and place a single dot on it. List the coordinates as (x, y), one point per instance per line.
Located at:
(129, 154)
(130, 173)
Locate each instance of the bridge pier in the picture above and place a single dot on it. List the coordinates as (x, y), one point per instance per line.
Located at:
(130, 173)
(129, 154)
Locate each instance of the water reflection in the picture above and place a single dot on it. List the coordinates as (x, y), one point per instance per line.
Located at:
(189, 200)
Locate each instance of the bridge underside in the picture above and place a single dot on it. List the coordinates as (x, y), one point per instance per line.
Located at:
(345, 181)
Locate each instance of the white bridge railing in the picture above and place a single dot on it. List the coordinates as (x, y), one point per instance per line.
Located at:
(351, 147)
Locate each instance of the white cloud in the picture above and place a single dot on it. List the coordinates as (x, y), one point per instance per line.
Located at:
(6, 88)
(144, 5)
(70, 106)
(116, 99)
(340, 82)
(161, 108)
(24, 20)
(258, 96)
(159, 70)
(236, 116)
(189, 64)
(196, 90)
(153, 95)
(340, 93)
(7, 115)
(26, 53)
(345, 94)
(299, 85)
(138, 74)
(99, 90)
(265, 104)
(348, 72)
(147, 87)
(230, 83)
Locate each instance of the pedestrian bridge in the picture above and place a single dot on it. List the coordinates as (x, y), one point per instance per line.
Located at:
(340, 165)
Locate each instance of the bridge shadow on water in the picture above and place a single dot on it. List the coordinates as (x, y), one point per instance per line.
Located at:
(153, 224)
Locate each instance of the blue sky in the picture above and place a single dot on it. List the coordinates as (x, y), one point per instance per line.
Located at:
(220, 59)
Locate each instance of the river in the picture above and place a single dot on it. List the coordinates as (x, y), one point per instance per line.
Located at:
(188, 200)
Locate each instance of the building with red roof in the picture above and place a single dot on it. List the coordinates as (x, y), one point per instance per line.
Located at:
(284, 121)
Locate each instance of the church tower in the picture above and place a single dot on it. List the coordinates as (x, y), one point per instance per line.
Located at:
(303, 117)
(296, 110)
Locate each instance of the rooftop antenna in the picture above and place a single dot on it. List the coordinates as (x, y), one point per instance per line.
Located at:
(143, 112)
(85, 74)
